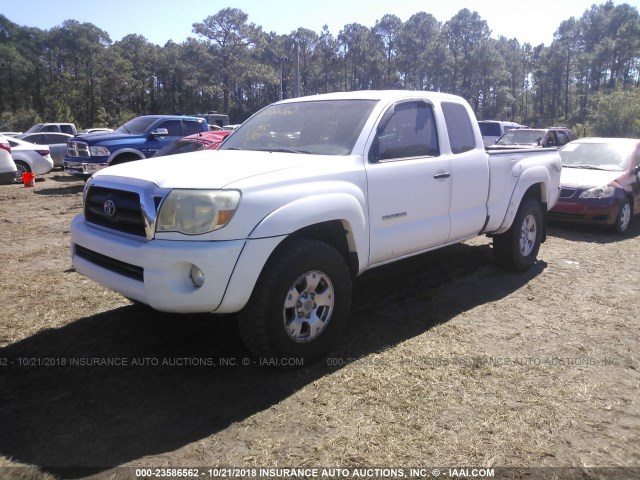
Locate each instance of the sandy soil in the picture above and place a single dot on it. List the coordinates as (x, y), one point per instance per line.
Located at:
(447, 362)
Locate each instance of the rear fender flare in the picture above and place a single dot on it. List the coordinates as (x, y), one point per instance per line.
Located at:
(538, 175)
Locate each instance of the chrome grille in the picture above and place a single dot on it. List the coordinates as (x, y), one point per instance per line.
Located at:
(115, 209)
(76, 148)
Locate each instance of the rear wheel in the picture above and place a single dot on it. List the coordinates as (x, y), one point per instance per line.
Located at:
(518, 247)
(623, 219)
(22, 167)
(299, 305)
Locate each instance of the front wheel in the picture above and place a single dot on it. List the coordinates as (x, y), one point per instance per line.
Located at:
(517, 248)
(299, 305)
(623, 219)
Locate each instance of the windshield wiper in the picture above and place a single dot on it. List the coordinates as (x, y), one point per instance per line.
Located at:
(283, 150)
(587, 167)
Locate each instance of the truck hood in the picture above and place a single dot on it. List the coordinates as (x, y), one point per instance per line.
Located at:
(95, 138)
(213, 169)
(585, 178)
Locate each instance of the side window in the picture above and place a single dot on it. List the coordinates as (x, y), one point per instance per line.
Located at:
(191, 127)
(51, 138)
(173, 126)
(50, 128)
(459, 127)
(552, 140)
(562, 138)
(38, 138)
(410, 131)
(66, 129)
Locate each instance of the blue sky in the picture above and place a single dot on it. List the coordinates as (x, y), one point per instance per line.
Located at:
(162, 20)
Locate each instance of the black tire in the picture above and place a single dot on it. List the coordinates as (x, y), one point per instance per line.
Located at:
(517, 248)
(299, 305)
(22, 167)
(624, 217)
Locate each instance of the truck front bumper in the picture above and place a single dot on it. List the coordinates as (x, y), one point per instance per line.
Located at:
(157, 273)
(82, 168)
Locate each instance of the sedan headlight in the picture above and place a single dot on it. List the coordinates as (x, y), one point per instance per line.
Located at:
(98, 151)
(193, 212)
(599, 192)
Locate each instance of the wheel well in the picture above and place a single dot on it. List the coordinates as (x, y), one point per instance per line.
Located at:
(535, 191)
(333, 233)
(125, 157)
(538, 192)
(23, 164)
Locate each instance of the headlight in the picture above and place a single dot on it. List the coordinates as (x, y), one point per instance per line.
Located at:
(193, 212)
(98, 151)
(599, 192)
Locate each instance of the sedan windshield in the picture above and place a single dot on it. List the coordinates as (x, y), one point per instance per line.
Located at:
(323, 127)
(599, 156)
(521, 137)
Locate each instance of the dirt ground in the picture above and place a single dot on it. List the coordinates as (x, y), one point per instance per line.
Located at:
(447, 362)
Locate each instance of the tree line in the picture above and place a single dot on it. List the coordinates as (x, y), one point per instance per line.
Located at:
(587, 78)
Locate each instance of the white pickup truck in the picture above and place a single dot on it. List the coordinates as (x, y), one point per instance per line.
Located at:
(303, 197)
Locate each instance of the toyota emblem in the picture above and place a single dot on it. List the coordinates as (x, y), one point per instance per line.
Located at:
(109, 208)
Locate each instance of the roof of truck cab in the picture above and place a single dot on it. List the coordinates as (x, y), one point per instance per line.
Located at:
(374, 95)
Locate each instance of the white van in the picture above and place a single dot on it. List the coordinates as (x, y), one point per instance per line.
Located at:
(7, 165)
(492, 130)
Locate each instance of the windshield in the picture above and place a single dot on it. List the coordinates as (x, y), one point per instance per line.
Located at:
(136, 125)
(521, 137)
(600, 156)
(36, 128)
(323, 127)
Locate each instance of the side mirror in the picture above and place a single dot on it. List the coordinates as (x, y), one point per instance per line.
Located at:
(160, 132)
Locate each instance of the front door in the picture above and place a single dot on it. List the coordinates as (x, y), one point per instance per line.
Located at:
(409, 184)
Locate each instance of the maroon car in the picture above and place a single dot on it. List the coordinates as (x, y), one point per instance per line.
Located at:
(600, 182)
(198, 141)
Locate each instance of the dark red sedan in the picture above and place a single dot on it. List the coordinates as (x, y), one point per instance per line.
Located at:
(600, 182)
(192, 143)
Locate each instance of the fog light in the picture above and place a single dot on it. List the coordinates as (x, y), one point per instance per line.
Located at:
(197, 276)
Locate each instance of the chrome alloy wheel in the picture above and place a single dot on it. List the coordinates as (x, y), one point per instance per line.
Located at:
(528, 234)
(308, 306)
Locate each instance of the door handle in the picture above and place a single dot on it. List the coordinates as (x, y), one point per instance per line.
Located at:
(438, 176)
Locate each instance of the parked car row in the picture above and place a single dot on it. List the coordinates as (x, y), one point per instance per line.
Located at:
(534, 137)
(600, 180)
(45, 145)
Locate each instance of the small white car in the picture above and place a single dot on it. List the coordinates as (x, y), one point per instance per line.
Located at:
(30, 157)
(8, 168)
(56, 141)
